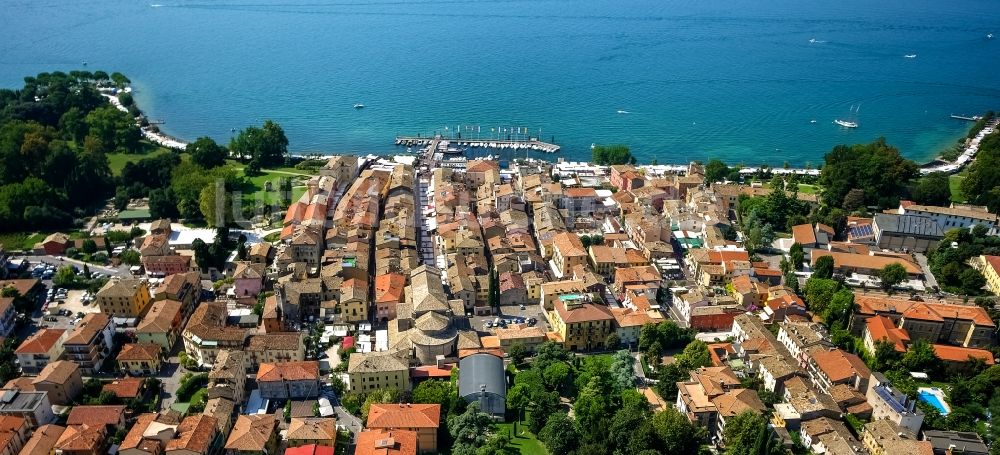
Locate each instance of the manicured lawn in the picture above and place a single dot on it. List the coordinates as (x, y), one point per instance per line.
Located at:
(19, 241)
(255, 186)
(955, 184)
(806, 188)
(524, 442)
(117, 161)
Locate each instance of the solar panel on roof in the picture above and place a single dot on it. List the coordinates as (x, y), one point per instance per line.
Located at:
(863, 230)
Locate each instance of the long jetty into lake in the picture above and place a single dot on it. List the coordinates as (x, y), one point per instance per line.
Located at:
(512, 144)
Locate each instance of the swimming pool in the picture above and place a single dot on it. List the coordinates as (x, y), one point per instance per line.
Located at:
(934, 397)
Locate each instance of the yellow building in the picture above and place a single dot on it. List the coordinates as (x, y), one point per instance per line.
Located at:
(139, 359)
(377, 370)
(883, 437)
(989, 266)
(580, 325)
(568, 252)
(127, 297)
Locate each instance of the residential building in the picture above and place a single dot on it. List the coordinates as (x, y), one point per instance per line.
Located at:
(512, 289)
(910, 233)
(275, 347)
(127, 388)
(828, 436)
(248, 280)
(956, 216)
(800, 337)
(989, 266)
(377, 370)
(956, 359)
(61, 380)
(829, 367)
(166, 265)
(646, 279)
(381, 442)
(629, 323)
(140, 359)
(880, 328)
(864, 264)
(181, 287)
(312, 430)
(888, 403)
(222, 409)
(529, 337)
(43, 440)
(112, 417)
(13, 434)
(128, 297)
(34, 406)
(422, 419)
(229, 372)
(962, 325)
(261, 253)
(955, 442)
(253, 435)
(554, 290)
(288, 380)
(7, 315)
(83, 440)
(90, 342)
(802, 403)
(389, 292)
(713, 395)
(581, 325)
(206, 333)
(567, 252)
(39, 349)
(883, 437)
(162, 324)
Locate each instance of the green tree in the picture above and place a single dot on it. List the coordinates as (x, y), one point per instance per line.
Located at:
(612, 154)
(470, 429)
(695, 355)
(716, 171)
(891, 275)
(206, 153)
(920, 356)
(796, 255)
(434, 392)
(264, 146)
(819, 293)
(130, 257)
(559, 434)
(677, 435)
(65, 276)
(518, 353)
(933, 189)
(972, 281)
(590, 409)
(612, 341)
(980, 185)
(823, 267)
(885, 357)
(877, 169)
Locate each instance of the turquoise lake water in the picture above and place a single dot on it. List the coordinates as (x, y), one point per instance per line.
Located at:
(736, 79)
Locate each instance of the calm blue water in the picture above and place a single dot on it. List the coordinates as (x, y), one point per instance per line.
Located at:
(737, 79)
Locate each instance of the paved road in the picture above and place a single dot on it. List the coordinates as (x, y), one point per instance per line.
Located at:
(929, 279)
(120, 271)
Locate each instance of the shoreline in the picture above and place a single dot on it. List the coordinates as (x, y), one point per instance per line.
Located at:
(966, 158)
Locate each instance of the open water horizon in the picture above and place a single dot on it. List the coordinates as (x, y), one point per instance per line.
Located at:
(676, 80)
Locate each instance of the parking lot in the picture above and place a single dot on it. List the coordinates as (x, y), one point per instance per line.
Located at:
(511, 314)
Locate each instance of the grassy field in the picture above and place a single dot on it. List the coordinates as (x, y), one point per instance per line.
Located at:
(806, 188)
(117, 161)
(525, 443)
(255, 187)
(18, 241)
(955, 183)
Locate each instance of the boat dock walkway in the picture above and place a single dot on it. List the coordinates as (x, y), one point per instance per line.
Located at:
(974, 118)
(967, 156)
(525, 144)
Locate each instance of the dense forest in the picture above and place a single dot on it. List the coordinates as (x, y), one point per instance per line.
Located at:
(57, 132)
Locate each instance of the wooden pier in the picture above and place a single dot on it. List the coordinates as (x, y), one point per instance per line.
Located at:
(521, 144)
(974, 118)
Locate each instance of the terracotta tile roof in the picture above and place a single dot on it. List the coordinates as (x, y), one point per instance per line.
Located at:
(160, 317)
(251, 432)
(375, 362)
(40, 342)
(288, 371)
(139, 351)
(869, 304)
(568, 244)
(510, 280)
(195, 433)
(208, 322)
(57, 372)
(96, 415)
(804, 234)
(133, 439)
(839, 365)
(249, 271)
(580, 192)
(634, 274)
(582, 312)
(379, 442)
(882, 328)
(736, 401)
(88, 328)
(309, 449)
(389, 288)
(959, 354)
(628, 317)
(279, 341)
(128, 387)
(43, 440)
(390, 416)
(23, 285)
(82, 439)
(312, 428)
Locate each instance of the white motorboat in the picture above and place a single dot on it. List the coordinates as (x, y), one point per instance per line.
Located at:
(359, 106)
(910, 56)
(846, 123)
